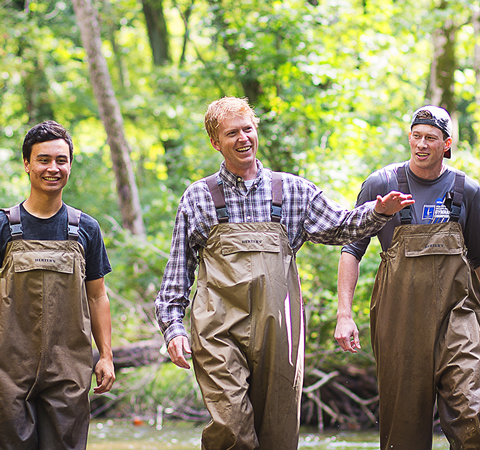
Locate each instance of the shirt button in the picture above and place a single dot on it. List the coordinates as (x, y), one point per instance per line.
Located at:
(249, 218)
(239, 179)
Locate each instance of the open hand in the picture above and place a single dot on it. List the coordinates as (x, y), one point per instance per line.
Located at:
(392, 203)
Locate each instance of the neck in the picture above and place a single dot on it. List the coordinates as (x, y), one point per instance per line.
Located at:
(43, 207)
(247, 174)
(427, 174)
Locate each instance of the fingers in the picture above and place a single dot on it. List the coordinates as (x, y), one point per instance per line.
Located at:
(346, 334)
(105, 376)
(176, 349)
(349, 344)
(393, 202)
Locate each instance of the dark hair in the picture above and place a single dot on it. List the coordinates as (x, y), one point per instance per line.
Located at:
(43, 132)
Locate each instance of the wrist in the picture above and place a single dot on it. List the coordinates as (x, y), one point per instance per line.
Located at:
(344, 316)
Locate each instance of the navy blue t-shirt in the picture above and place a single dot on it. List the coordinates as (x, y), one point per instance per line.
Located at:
(55, 228)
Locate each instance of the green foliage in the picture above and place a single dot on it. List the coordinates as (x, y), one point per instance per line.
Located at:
(334, 85)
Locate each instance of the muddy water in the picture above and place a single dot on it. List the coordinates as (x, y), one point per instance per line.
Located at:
(125, 435)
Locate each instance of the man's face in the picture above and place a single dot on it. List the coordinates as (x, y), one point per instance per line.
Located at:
(428, 148)
(49, 166)
(238, 143)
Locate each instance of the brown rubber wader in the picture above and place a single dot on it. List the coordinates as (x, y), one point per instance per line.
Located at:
(45, 347)
(248, 338)
(425, 335)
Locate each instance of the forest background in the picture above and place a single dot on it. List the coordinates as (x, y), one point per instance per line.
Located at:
(334, 82)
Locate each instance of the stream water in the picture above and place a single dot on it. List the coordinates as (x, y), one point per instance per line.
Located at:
(125, 435)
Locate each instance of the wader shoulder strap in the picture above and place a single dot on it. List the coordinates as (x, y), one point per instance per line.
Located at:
(277, 196)
(13, 216)
(218, 196)
(73, 223)
(457, 196)
(405, 213)
(16, 230)
(456, 200)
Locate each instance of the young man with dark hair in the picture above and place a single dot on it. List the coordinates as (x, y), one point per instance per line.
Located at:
(53, 297)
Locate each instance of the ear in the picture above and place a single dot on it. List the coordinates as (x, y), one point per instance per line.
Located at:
(26, 164)
(215, 145)
(448, 143)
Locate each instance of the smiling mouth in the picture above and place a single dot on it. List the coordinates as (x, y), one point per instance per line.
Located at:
(243, 149)
(51, 178)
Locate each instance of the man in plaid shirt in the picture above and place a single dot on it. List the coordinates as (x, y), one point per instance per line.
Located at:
(247, 317)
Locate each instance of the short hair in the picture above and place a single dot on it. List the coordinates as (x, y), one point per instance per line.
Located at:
(218, 110)
(44, 132)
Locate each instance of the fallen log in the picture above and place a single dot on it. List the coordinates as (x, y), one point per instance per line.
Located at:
(136, 354)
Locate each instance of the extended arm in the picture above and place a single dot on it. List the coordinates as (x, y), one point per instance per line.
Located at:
(102, 333)
(346, 332)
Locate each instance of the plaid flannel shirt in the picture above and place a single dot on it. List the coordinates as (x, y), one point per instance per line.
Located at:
(306, 213)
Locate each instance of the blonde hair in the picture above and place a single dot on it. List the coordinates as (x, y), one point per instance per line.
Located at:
(218, 110)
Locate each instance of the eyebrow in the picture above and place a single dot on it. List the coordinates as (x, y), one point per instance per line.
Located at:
(426, 134)
(46, 155)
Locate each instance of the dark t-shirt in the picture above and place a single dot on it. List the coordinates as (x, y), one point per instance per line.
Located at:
(429, 207)
(55, 228)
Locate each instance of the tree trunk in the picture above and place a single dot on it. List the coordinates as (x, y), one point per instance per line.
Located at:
(440, 89)
(111, 117)
(157, 31)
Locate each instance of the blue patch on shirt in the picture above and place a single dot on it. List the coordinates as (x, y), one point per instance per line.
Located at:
(437, 213)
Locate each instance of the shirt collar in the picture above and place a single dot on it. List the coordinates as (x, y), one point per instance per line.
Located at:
(234, 180)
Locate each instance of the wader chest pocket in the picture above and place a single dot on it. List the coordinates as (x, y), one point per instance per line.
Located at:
(435, 244)
(250, 242)
(62, 262)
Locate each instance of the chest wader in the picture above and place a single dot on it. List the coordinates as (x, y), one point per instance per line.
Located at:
(45, 342)
(247, 332)
(426, 336)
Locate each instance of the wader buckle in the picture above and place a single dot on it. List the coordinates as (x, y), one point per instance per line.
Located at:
(277, 211)
(73, 230)
(455, 213)
(16, 230)
(405, 215)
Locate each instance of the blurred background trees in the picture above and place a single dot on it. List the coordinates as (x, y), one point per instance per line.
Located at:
(334, 82)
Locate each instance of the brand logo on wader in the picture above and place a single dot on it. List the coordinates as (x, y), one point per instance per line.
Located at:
(44, 260)
(251, 241)
(434, 245)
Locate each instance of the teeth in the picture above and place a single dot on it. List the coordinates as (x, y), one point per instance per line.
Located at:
(51, 179)
(243, 149)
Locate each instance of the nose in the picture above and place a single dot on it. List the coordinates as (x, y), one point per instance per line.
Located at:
(423, 142)
(53, 166)
(243, 136)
